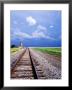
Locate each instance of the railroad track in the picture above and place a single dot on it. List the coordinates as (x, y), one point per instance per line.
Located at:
(27, 68)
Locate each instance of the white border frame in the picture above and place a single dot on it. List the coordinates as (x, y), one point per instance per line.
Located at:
(65, 28)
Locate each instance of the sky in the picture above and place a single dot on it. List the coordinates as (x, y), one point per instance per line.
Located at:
(35, 28)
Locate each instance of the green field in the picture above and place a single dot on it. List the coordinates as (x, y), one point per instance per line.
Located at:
(52, 51)
(13, 50)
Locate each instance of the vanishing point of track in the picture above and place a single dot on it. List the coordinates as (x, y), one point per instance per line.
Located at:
(27, 68)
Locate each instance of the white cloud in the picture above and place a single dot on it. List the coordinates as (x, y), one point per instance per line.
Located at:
(40, 27)
(35, 34)
(41, 34)
(38, 34)
(22, 34)
(51, 26)
(31, 21)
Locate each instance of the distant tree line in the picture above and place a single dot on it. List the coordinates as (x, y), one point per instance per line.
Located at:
(12, 46)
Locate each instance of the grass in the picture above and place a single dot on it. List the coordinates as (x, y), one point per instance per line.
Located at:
(52, 51)
(13, 50)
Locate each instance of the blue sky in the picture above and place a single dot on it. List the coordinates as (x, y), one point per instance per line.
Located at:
(36, 28)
